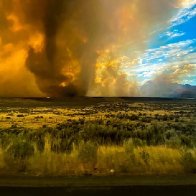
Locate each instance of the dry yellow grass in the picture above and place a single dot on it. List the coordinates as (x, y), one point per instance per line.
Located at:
(110, 159)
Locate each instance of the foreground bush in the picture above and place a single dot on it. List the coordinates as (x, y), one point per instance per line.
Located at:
(189, 160)
(87, 154)
(20, 150)
(17, 155)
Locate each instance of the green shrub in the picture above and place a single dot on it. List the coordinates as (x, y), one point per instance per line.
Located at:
(17, 154)
(173, 142)
(129, 149)
(40, 144)
(189, 161)
(88, 152)
(60, 145)
(129, 146)
(37, 137)
(186, 141)
(145, 156)
(138, 142)
(20, 150)
(5, 140)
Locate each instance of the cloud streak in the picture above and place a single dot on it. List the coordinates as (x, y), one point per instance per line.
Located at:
(155, 61)
(184, 14)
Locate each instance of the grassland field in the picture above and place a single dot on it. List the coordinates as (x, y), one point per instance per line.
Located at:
(97, 136)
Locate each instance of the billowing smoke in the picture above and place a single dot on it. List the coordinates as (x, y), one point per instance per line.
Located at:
(74, 47)
(166, 83)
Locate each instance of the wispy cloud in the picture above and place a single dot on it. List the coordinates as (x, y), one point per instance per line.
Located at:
(184, 14)
(157, 60)
(167, 52)
(171, 34)
(170, 52)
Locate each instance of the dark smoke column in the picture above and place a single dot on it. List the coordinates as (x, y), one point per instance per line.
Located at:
(68, 32)
(45, 65)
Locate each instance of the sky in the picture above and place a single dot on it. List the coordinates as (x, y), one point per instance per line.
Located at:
(171, 47)
(60, 48)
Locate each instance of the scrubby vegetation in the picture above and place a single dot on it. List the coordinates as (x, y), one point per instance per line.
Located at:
(107, 138)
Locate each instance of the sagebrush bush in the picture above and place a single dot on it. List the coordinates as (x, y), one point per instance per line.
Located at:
(145, 156)
(189, 160)
(129, 146)
(60, 145)
(20, 150)
(87, 152)
(17, 155)
(186, 141)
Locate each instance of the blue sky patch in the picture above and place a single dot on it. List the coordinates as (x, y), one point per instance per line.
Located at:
(172, 47)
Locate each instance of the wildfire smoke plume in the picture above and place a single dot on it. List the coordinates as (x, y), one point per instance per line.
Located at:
(74, 47)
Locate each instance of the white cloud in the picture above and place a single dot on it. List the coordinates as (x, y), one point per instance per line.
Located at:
(173, 55)
(188, 3)
(156, 60)
(172, 34)
(169, 52)
(184, 14)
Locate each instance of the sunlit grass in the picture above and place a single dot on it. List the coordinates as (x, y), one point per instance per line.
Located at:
(109, 160)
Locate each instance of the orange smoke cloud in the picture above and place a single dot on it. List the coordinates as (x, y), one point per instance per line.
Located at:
(175, 74)
(62, 48)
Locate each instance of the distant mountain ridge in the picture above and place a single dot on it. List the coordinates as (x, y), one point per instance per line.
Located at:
(156, 89)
